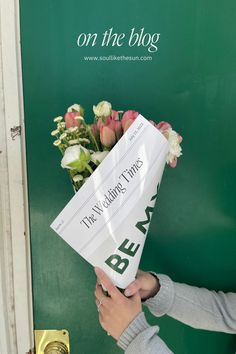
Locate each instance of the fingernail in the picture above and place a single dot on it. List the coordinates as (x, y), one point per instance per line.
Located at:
(127, 292)
(97, 269)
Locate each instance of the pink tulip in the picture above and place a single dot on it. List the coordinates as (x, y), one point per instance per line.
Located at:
(180, 138)
(110, 132)
(105, 121)
(107, 136)
(100, 123)
(115, 115)
(174, 140)
(95, 130)
(118, 129)
(70, 119)
(173, 163)
(128, 118)
(152, 123)
(116, 126)
(163, 126)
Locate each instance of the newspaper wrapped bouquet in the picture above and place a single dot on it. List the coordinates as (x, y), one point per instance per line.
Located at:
(115, 165)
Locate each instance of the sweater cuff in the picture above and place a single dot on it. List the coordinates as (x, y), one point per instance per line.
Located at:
(161, 303)
(138, 325)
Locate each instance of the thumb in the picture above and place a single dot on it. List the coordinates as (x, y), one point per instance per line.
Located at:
(136, 298)
(133, 288)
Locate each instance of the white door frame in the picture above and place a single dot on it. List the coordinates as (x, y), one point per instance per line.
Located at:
(16, 320)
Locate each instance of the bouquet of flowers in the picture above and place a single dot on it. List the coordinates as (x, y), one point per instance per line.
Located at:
(84, 146)
(115, 166)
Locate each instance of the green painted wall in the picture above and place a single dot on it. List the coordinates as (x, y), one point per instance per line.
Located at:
(191, 82)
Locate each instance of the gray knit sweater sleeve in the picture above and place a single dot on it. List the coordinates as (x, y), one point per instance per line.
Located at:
(140, 338)
(197, 307)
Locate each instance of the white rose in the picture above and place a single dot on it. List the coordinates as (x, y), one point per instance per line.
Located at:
(76, 108)
(174, 146)
(103, 109)
(75, 158)
(98, 156)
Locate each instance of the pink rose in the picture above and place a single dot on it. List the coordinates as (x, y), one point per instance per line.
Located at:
(128, 118)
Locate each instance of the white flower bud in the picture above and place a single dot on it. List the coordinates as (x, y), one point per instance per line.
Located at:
(174, 146)
(57, 142)
(61, 125)
(98, 156)
(73, 141)
(73, 129)
(55, 132)
(76, 108)
(79, 119)
(84, 140)
(103, 109)
(78, 178)
(58, 119)
(63, 136)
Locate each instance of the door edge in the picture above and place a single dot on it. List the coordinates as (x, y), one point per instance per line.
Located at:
(16, 326)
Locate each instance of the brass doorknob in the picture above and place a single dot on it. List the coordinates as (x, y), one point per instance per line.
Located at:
(56, 348)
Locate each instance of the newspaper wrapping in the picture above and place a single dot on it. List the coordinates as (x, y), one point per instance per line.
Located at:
(107, 220)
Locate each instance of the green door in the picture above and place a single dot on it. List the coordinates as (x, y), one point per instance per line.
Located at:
(188, 80)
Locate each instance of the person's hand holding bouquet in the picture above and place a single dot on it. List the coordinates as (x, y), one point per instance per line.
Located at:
(146, 284)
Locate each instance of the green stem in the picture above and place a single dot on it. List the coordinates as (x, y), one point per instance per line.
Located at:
(88, 167)
(71, 176)
(92, 137)
(62, 151)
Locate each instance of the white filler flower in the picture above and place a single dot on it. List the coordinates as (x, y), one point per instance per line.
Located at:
(78, 178)
(55, 132)
(174, 146)
(58, 119)
(57, 142)
(98, 156)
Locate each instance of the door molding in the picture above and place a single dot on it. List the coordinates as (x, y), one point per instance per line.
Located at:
(16, 325)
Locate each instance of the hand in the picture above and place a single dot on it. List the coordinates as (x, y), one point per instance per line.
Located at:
(116, 311)
(145, 283)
